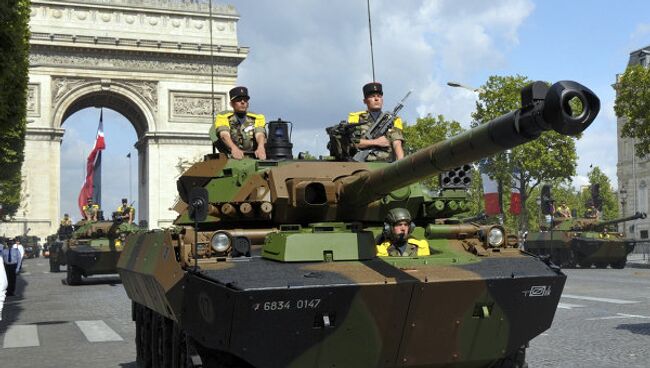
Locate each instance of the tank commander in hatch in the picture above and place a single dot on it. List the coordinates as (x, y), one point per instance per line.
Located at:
(563, 211)
(240, 130)
(384, 148)
(397, 239)
(126, 211)
(66, 220)
(90, 210)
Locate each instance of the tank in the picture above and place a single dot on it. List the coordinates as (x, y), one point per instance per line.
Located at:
(31, 245)
(273, 263)
(89, 248)
(583, 242)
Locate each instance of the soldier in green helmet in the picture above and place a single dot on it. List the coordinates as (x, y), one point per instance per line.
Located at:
(240, 130)
(397, 239)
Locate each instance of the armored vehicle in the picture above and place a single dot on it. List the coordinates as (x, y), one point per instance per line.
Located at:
(91, 248)
(583, 242)
(273, 263)
(31, 246)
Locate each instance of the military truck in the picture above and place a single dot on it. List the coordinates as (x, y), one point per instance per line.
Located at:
(273, 263)
(90, 248)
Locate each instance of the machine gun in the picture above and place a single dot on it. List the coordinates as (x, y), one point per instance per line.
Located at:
(342, 143)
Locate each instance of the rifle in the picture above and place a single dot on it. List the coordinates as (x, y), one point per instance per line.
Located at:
(379, 128)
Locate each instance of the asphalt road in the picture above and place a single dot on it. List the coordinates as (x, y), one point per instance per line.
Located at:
(603, 321)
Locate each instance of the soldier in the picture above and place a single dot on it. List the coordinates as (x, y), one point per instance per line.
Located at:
(66, 220)
(397, 240)
(591, 212)
(563, 211)
(126, 211)
(240, 130)
(387, 147)
(90, 210)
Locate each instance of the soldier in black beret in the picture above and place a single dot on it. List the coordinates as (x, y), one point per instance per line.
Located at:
(384, 148)
(240, 130)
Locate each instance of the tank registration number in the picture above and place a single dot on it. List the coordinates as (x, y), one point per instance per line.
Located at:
(278, 305)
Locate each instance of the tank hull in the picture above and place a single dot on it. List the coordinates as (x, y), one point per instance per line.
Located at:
(370, 313)
(569, 250)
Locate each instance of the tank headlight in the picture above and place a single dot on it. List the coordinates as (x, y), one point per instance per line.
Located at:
(495, 237)
(220, 242)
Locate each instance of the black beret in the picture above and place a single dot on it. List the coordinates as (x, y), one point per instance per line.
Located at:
(373, 87)
(239, 92)
(124, 200)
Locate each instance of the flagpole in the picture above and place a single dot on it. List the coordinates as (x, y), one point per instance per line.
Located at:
(130, 184)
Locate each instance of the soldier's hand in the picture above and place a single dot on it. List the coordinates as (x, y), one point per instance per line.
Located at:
(260, 153)
(236, 153)
(381, 142)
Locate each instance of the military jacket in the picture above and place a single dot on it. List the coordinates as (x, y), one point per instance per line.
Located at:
(364, 120)
(243, 135)
(124, 210)
(414, 248)
(90, 211)
(67, 222)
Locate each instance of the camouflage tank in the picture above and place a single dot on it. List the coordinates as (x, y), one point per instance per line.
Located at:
(89, 248)
(581, 241)
(282, 270)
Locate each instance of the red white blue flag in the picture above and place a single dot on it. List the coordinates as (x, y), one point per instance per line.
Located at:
(515, 194)
(92, 184)
(490, 192)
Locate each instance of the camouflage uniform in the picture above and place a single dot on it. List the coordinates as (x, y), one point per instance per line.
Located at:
(364, 120)
(414, 248)
(125, 210)
(242, 134)
(90, 211)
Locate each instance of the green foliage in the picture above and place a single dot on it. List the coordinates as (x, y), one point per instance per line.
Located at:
(610, 202)
(633, 104)
(427, 131)
(14, 51)
(548, 158)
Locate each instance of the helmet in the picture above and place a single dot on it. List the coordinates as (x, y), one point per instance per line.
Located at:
(394, 216)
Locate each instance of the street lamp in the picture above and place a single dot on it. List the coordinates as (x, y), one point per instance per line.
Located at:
(460, 85)
(622, 195)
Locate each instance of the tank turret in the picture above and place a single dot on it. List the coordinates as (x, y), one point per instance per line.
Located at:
(288, 254)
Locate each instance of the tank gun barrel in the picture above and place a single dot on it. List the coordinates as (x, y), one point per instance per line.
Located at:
(543, 108)
(638, 215)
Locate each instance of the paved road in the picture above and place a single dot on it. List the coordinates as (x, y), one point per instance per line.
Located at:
(52, 325)
(603, 321)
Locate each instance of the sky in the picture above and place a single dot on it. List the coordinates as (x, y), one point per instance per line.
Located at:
(309, 59)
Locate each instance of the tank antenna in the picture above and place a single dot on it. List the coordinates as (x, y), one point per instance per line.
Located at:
(211, 65)
(372, 54)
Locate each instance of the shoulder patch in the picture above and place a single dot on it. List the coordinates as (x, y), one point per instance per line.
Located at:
(353, 117)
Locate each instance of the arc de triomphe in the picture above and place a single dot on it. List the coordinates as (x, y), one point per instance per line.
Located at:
(146, 59)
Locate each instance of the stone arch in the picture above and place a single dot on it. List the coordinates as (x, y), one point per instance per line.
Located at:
(117, 96)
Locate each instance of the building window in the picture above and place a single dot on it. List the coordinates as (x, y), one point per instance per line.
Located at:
(642, 204)
(643, 61)
(643, 234)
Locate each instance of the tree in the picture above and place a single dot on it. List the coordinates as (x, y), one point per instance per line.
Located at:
(550, 157)
(427, 131)
(610, 203)
(14, 51)
(633, 104)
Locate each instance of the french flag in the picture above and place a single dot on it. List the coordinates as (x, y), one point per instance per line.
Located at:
(490, 192)
(515, 194)
(92, 183)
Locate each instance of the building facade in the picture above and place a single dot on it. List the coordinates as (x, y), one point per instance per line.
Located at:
(633, 172)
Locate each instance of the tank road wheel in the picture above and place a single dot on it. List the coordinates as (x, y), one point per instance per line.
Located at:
(145, 337)
(73, 275)
(601, 264)
(514, 360)
(167, 347)
(156, 339)
(54, 266)
(619, 265)
(137, 316)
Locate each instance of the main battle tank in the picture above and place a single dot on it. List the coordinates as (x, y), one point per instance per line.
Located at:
(284, 272)
(91, 248)
(584, 242)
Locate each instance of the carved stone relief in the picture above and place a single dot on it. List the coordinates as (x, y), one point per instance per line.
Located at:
(188, 106)
(130, 62)
(34, 100)
(62, 85)
(145, 89)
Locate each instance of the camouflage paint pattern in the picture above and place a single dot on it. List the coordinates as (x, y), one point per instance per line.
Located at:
(313, 293)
